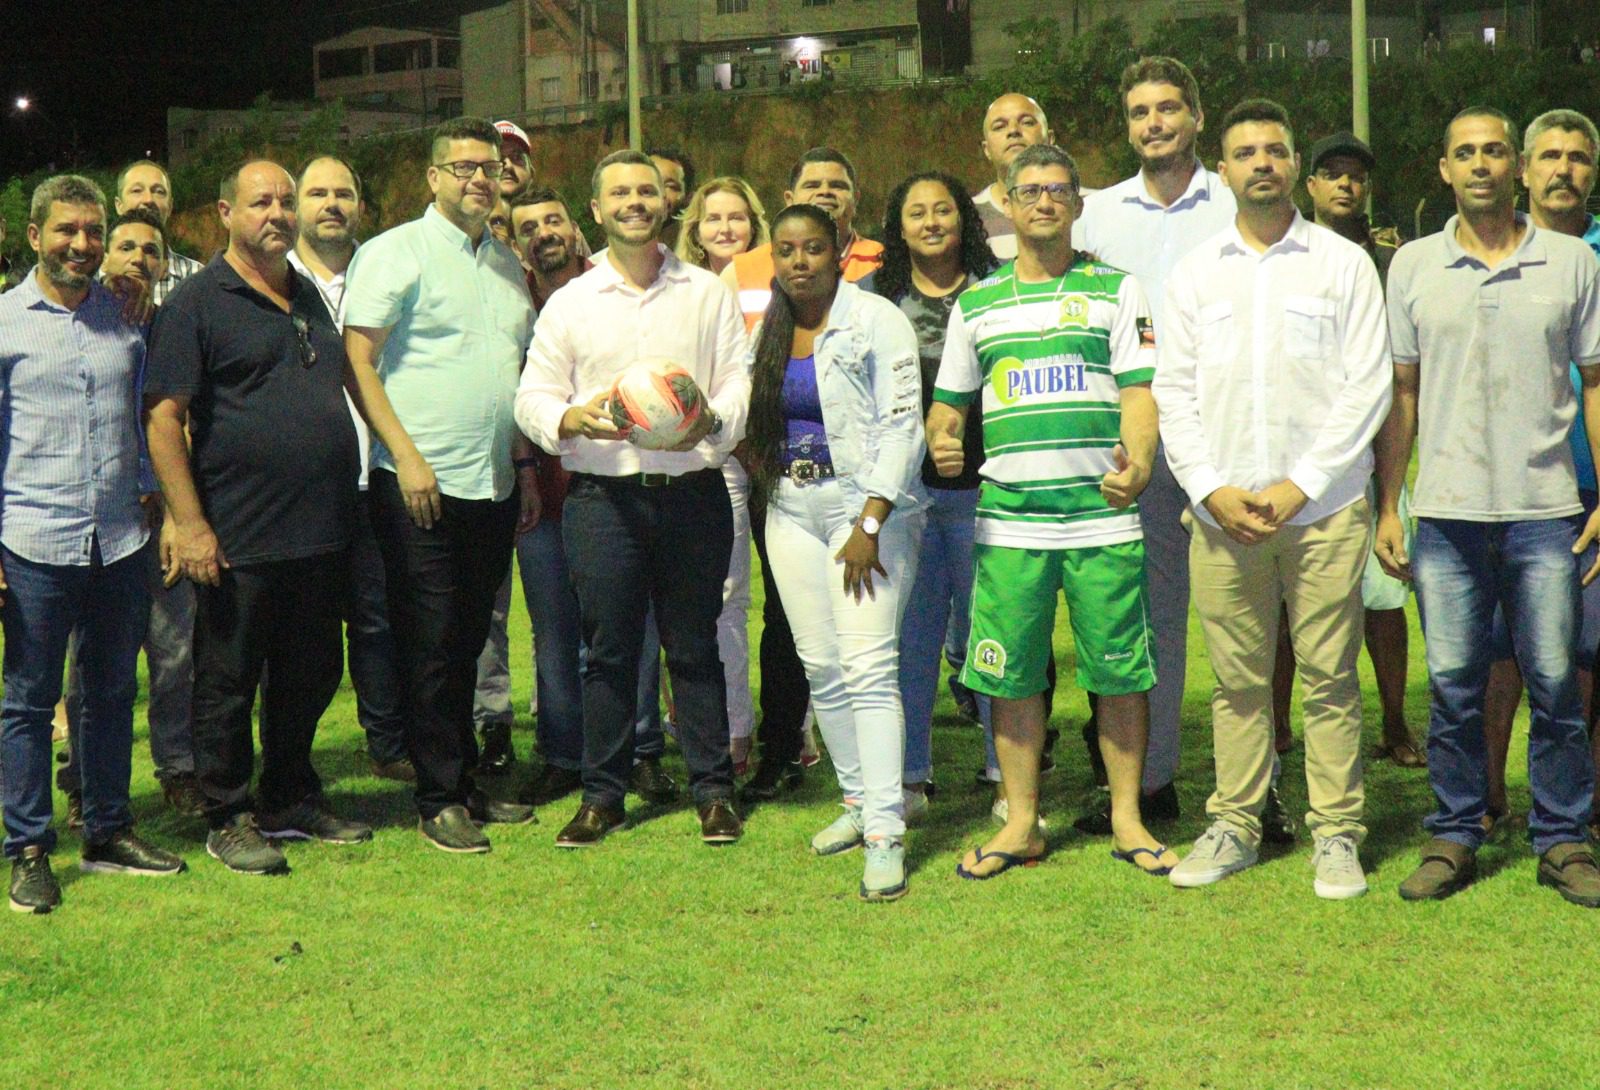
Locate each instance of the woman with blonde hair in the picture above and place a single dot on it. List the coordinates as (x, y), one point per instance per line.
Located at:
(723, 218)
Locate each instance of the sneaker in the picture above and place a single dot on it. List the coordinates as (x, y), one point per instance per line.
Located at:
(884, 877)
(310, 819)
(1218, 853)
(651, 784)
(844, 834)
(241, 848)
(183, 794)
(1339, 876)
(33, 886)
(125, 853)
(452, 830)
(915, 804)
(1000, 813)
(772, 777)
(498, 754)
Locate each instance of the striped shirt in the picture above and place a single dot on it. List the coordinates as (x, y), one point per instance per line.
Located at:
(69, 452)
(179, 269)
(1047, 363)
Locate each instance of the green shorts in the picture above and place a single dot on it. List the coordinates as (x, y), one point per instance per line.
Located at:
(1014, 619)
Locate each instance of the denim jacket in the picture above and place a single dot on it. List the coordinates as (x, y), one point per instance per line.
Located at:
(869, 377)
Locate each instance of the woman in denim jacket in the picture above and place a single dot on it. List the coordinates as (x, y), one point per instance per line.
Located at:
(836, 445)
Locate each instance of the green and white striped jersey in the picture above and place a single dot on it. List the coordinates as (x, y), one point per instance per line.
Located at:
(1049, 361)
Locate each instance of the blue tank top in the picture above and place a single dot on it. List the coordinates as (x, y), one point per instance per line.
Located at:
(801, 403)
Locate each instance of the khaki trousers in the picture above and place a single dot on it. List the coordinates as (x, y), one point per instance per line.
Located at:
(1313, 571)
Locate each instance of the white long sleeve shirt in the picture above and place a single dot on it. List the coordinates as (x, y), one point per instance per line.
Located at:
(597, 325)
(1274, 366)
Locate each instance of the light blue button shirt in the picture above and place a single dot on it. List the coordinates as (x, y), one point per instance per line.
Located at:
(69, 428)
(459, 322)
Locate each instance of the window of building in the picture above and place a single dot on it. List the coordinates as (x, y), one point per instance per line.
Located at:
(449, 53)
(550, 89)
(402, 56)
(732, 7)
(815, 3)
(339, 63)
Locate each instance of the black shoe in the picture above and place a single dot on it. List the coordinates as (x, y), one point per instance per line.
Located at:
(452, 830)
(1159, 805)
(1276, 828)
(498, 754)
(550, 784)
(33, 886)
(651, 784)
(75, 810)
(184, 795)
(772, 777)
(241, 848)
(125, 853)
(719, 822)
(487, 811)
(589, 826)
(400, 769)
(966, 700)
(1091, 742)
(1047, 756)
(310, 819)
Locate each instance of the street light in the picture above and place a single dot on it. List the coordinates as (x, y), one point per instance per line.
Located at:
(24, 102)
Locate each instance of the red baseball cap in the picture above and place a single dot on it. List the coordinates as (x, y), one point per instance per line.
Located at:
(510, 130)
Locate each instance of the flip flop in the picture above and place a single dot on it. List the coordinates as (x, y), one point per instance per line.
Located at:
(1404, 754)
(1131, 857)
(1007, 861)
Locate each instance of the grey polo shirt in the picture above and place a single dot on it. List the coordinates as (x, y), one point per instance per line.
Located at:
(1495, 402)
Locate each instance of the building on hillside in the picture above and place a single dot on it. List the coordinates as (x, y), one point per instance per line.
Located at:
(560, 60)
(383, 67)
(994, 47)
(190, 130)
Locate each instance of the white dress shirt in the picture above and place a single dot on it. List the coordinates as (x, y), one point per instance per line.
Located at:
(1128, 229)
(598, 325)
(332, 292)
(1274, 365)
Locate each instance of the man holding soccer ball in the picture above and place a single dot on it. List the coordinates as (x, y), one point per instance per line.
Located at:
(635, 378)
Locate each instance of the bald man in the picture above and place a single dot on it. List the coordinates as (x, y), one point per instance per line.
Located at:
(260, 515)
(1012, 122)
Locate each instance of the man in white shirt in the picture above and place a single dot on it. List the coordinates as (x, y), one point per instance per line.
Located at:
(642, 528)
(1012, 122)
(1274, 378)
(1144, 225)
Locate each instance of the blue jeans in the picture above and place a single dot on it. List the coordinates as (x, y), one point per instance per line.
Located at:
(374, 670)
(109, 604)
(937, 617)
(1463, 570)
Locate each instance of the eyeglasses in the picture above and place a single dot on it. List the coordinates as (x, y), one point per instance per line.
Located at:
(464, 169)
(1060, 192)
(302, 331)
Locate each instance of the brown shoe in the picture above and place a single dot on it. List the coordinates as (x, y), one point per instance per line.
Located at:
(402, 770)
(1446, 867)
(1571, 870)
(184, 795)
(589, 827)
(719, 822)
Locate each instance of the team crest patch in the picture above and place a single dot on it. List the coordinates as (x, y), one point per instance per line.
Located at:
(989, 658)
(1075, 311)
(1147, 332)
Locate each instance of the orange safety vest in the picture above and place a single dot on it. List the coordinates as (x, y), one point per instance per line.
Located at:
(754, 271)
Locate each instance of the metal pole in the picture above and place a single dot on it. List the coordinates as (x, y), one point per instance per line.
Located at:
(1358, 70)
(635, 136)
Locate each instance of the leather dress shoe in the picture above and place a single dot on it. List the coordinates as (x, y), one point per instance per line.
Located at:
(487, 811)
(719, 822)
(550, 784)
(589, 826)
(498, 754)
(651, 784)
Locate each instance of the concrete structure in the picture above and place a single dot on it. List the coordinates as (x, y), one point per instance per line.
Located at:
(190, 130)
(414, 70)
(994, 48)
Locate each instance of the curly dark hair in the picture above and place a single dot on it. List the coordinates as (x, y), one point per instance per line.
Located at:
(893, 277)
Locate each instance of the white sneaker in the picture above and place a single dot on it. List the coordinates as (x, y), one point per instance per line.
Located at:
(884, 877)
(1339, 876)
(915, 805)
(1219, 852)
(844, 834)
(1000, 813)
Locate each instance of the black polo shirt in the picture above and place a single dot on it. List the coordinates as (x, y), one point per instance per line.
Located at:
(274, 451)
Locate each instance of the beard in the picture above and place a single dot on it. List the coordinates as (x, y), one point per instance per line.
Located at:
(56, 271)
(549, 259)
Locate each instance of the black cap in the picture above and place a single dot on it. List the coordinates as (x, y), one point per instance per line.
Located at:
(1341, 143)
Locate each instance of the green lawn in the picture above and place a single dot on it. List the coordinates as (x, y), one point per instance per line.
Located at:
(654, 961)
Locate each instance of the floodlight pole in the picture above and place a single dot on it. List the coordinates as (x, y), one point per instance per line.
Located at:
(1359, 123)
(635, 136)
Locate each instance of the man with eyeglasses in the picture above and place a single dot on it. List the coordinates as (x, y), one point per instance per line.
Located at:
(260, 512)
(437, 321)
(1057, 353)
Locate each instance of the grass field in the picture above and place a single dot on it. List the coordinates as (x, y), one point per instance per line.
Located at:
(654, 961)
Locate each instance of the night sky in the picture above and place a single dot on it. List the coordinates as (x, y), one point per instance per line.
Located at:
(101, 75)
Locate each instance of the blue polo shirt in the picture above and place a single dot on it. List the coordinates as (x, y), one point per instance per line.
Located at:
(459, 320)
(1578, 438)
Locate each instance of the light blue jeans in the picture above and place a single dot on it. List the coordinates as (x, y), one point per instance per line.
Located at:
(937, 618)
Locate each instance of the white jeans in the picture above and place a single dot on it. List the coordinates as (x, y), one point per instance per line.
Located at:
(851, 650)
(733, 624)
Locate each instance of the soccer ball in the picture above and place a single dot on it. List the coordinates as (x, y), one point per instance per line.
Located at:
(655, 403)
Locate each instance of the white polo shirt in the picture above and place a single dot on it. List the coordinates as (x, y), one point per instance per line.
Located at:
(1274, 365)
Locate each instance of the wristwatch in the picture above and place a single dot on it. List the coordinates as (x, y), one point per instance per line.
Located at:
(716, 423)
(869, 525)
